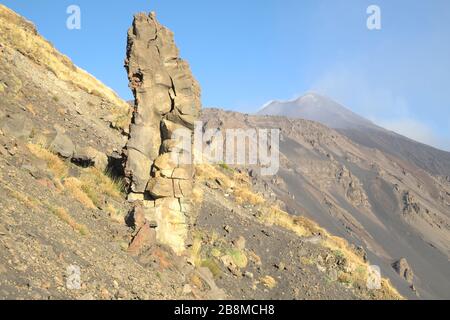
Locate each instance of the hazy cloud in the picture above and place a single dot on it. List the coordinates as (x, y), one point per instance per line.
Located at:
(353, 87)
(415, 130)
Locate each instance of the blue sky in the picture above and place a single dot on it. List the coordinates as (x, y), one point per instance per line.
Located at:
(247, 52)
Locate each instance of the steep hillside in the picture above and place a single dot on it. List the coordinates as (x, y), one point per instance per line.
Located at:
(64, 211)
(387, 205)
(321, 109)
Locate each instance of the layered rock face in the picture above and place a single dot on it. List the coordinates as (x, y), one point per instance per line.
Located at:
(167, 101)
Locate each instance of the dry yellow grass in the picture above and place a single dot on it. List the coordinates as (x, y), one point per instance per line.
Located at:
(62, 214)
(238, 182)
(19, 34)
(243, 195)
(74, 187)
(58, 167)
(114, 214)
(89, 189)
(96, 185)
(196, 250)
(358, 271)
(268, 282)
(208, 172)
(30, 109)
(302, 226)
(30, 203)
(121, 118)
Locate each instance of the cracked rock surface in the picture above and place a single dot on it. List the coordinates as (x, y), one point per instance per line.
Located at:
(167, 102)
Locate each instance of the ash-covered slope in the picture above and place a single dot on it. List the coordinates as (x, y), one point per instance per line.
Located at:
(391, 207)
(324, 110)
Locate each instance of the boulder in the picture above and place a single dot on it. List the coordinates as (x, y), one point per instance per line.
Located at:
(404, 270)
(182, 174)
(168, 129)
(145, 237)
(137, 170)
(165, 162)
(62, 145)
(160, 187)
(90, 157)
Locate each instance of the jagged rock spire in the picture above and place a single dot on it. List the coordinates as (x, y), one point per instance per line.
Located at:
(167, 97)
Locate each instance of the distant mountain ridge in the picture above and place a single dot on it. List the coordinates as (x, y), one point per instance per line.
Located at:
(315, 107)
(324, 110)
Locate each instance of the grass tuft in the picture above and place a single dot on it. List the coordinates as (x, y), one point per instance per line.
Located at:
(96, 185)
(246, 196)
(239, 257)
(30, 203)
(62, 214)
(268, 282)
(74, 186)
(58, 167)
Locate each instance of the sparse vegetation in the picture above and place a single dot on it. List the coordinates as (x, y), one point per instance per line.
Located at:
(114, 214)
(121, 118)
(62, 214)
(207, 172)
(96, 185)
(243, 195)
(354, 274)
(90, 189)
(207, 253)
(57, 166)
(15, 32)
(268, 282)
(74, 186)
(300, 225)
(239, 257)
(225, 166)
(30, 203)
